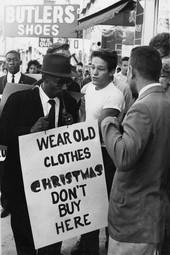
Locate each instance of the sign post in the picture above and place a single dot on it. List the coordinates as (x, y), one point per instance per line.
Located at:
(64, 182)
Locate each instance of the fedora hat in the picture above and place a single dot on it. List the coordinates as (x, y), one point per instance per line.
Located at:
(57, 65)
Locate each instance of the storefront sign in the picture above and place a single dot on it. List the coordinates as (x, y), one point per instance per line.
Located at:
(64, 182)
(41, 20)
(45, 41)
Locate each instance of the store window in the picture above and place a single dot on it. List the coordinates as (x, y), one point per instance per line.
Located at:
(163, 16)
(139, 21)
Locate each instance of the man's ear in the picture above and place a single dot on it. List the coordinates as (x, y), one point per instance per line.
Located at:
(111, 73)
(130, 72)
(20, 62)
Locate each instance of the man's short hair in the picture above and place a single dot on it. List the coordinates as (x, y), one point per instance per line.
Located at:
(161, 42)
(58, 46)
(147, 61)
(107, 55)
(124, 59)
(13, 51)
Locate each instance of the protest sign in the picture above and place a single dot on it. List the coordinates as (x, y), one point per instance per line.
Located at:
(8, 90)
(3, 153)
(11, 88)
(64, 182)
(37, 76)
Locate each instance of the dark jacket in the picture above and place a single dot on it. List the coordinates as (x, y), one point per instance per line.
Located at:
(20, 113)
(25, 79)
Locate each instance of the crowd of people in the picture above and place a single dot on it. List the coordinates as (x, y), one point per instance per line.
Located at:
(132, 109)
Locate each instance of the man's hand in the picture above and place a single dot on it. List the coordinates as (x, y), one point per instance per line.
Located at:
(41, 125)
(67, 118)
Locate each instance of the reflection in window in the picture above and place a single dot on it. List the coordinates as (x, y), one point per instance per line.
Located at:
(163, 16)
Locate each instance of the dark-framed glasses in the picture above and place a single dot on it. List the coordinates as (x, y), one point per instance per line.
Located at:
(59, 80)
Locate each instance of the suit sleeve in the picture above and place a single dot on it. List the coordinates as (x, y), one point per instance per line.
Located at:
(126, 147)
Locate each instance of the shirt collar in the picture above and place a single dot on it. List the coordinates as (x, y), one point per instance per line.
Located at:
(17, 76)
(43, 96)
(147, 87)
(46, 106)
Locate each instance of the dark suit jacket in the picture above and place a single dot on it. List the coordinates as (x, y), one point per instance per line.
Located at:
(138, 202)
(20, 113)
(25, 79)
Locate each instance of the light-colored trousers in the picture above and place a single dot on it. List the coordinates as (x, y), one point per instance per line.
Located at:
(121, 248)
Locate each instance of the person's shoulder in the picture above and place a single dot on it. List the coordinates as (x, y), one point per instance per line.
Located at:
(23, 94)
(88, 87)
(123, 86)
(113, 91)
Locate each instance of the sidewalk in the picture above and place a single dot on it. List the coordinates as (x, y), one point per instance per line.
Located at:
(8, 245)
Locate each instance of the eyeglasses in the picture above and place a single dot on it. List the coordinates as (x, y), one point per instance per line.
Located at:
(164, 76)
(59, 80)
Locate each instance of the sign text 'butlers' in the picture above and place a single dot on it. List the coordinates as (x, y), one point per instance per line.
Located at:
(41, 20)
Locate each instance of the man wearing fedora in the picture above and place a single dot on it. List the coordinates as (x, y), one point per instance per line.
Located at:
(27, 112)
(63, 48)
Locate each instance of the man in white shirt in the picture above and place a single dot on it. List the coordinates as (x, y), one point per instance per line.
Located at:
(100, 94)
(120, 81)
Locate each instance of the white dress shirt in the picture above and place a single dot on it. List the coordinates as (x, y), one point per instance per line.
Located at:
(17, 77)
(46, 105)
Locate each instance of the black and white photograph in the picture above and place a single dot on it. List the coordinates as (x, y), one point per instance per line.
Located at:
(85, 127)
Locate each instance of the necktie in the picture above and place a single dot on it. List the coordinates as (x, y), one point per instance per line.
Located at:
(13, 80)
(51, 115)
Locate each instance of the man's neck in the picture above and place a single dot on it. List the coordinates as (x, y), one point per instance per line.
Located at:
(103, 86)
(143, 83)
(14, 73)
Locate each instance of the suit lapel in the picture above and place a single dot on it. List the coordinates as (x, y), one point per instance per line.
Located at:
(22, 79)
(4, 81)
(60, 122)
(35, 103)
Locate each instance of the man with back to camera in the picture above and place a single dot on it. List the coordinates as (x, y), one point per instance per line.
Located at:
(14, 75)
(139, 205)
(28, 112)
(100, 93)
(161, 42)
